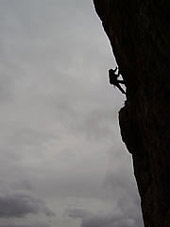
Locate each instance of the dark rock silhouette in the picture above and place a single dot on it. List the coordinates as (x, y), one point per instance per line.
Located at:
(139, 32)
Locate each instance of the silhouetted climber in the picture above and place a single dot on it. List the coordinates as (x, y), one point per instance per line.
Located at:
(113, 77)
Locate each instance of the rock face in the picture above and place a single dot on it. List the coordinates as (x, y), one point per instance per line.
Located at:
(139, 32)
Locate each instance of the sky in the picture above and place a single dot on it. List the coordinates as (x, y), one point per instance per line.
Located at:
(62, 159)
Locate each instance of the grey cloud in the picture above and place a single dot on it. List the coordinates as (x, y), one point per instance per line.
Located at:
(96, 125)
(109, 220)
(78, 213)
(5, 86)
(28, 136)
(20, 205)
(36, 225)
(121, 180)
(126, 205)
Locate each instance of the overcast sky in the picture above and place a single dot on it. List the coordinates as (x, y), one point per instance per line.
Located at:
(62, 160)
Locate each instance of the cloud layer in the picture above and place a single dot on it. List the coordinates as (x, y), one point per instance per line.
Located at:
(121, 219)
(20, 205)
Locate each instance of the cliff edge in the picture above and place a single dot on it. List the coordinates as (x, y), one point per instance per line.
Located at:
(139, 33)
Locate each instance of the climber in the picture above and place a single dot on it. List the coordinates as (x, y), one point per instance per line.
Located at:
(113, 77)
